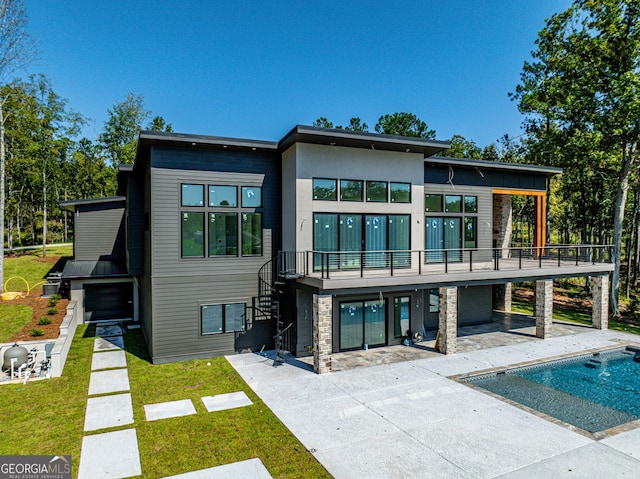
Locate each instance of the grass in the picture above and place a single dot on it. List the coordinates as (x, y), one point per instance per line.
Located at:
(563, 314)
(25, 266)
(47, 417)
(13, 319)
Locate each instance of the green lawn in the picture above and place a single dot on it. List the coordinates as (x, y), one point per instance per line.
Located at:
(47, 417)
(12, 319)
(526, 307)
(28, 267)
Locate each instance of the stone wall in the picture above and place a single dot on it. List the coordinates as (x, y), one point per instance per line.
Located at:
(600, 309)
(448, 320)
(322, 337)
(544, 308)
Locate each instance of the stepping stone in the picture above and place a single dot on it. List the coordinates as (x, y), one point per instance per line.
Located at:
(108, 344)
(252, 468)
(164, 410)
(108, 330)
(103, 382)
(108, 360)
(108, 411)
(221, 402)
(110, 455)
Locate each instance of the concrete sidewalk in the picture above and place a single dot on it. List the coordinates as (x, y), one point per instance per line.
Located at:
(407, 419)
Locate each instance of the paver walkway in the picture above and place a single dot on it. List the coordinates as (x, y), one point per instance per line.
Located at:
(115, 454)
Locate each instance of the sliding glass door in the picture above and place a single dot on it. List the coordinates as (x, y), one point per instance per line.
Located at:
(375, 233)
(362, 322)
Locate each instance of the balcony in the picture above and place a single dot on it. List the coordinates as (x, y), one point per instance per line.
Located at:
(345, 269)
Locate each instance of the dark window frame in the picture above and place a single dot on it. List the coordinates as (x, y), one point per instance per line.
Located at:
(391, 192)
(386, 191)
(335, 189)
(224, 328)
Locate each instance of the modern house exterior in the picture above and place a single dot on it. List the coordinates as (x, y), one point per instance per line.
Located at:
(325, 241)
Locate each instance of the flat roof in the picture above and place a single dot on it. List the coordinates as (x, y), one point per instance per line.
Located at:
(184, 139)
(496, 165)
(70, 205)
(75, 269)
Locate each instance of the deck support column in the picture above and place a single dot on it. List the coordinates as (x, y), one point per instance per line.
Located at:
(502, 297)
(544, 308)
(448, 320)
(322, 336)
(600, 308)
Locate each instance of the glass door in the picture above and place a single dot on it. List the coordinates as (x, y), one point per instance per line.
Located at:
(453, 239)
(375, 240)
(362, 322)
(374, 323)
(435, 242)
(350, 241)
(399, 240)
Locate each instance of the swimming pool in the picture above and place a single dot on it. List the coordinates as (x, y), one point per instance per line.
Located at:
(592, 392)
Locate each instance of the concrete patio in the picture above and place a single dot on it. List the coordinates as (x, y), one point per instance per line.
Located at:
(405, 417)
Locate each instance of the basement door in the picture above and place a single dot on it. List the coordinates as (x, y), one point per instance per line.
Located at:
(106, 301)
(362, 322)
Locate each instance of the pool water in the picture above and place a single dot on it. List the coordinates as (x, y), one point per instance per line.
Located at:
(594, 392)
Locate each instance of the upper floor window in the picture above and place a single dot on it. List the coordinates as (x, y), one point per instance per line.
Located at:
(433, 203)
(400, 192)
(377, 191)
(192, 195)
(251, 197)
(453, 203)
(471, 204)
(325, 189)
(351, 190)
(192, 232)
(223, 196)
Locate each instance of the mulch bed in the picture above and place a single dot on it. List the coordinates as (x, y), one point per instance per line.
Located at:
(40, 306)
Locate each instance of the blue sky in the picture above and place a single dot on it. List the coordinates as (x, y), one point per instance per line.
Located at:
(254, 69)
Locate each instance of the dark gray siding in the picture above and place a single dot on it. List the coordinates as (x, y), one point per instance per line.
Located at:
(135, 226)
(182, 285)
(146, 305)
(459, 175)
(99, 232)
(304, 324)
(474, 305)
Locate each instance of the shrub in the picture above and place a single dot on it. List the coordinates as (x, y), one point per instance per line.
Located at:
(53, 300)
(44, 320)
(37, 332)
(52, 311)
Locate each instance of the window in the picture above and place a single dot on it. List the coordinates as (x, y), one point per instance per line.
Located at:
(470, 233)
(400, 192)
(471, 204)
(192, 195)
(401, 316)
(223, 234)
(223, 196)
(222, 318)
(325, 236)
(251, 197)
(377, 191)
(192, 240)
(350, 190)
(324, 189)
(251, 234)
(434, 301)
(453, 203)
(433, 203)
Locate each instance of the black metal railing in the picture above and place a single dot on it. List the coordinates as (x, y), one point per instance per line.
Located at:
(392, 262)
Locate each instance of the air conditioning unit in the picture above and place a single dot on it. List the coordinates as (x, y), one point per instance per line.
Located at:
(49, 289)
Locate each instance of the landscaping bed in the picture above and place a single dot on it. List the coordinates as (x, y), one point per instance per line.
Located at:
(39, 309)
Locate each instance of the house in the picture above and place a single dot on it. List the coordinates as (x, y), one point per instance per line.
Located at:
(325, 241)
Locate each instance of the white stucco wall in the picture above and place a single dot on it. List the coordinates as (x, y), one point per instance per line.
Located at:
(303, 162)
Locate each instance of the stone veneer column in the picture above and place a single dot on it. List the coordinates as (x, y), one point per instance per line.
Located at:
(322, 337)
(502, 297)
(448, 320)
(600, 308)
(544, 308)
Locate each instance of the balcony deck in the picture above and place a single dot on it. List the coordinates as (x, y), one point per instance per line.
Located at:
(396, 270)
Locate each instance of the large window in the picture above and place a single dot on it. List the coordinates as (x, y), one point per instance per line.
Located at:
(192, 234)
(192, 195)
(251, 234)
(229, 230)
(377, 191)
(400, 192)
(325, 189)
(350, 190)
(453, 203)
(433, 203)
(222, 318)
(225, 196)
(470, 232)
(401, 316)
(223, 234)
(446, 237)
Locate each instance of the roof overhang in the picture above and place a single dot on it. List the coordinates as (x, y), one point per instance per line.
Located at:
(71, 205)
(493, 165)
(358, 139)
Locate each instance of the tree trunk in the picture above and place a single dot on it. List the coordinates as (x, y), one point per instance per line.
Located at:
(2, 193)
(618, 223)
(44, 210)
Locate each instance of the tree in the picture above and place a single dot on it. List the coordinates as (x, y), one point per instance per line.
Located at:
(16, 50)
(463, 148)
(582, 92)
(119, 139)
(159, 124)
(322, 122)
(404, 124)
(355, 124)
